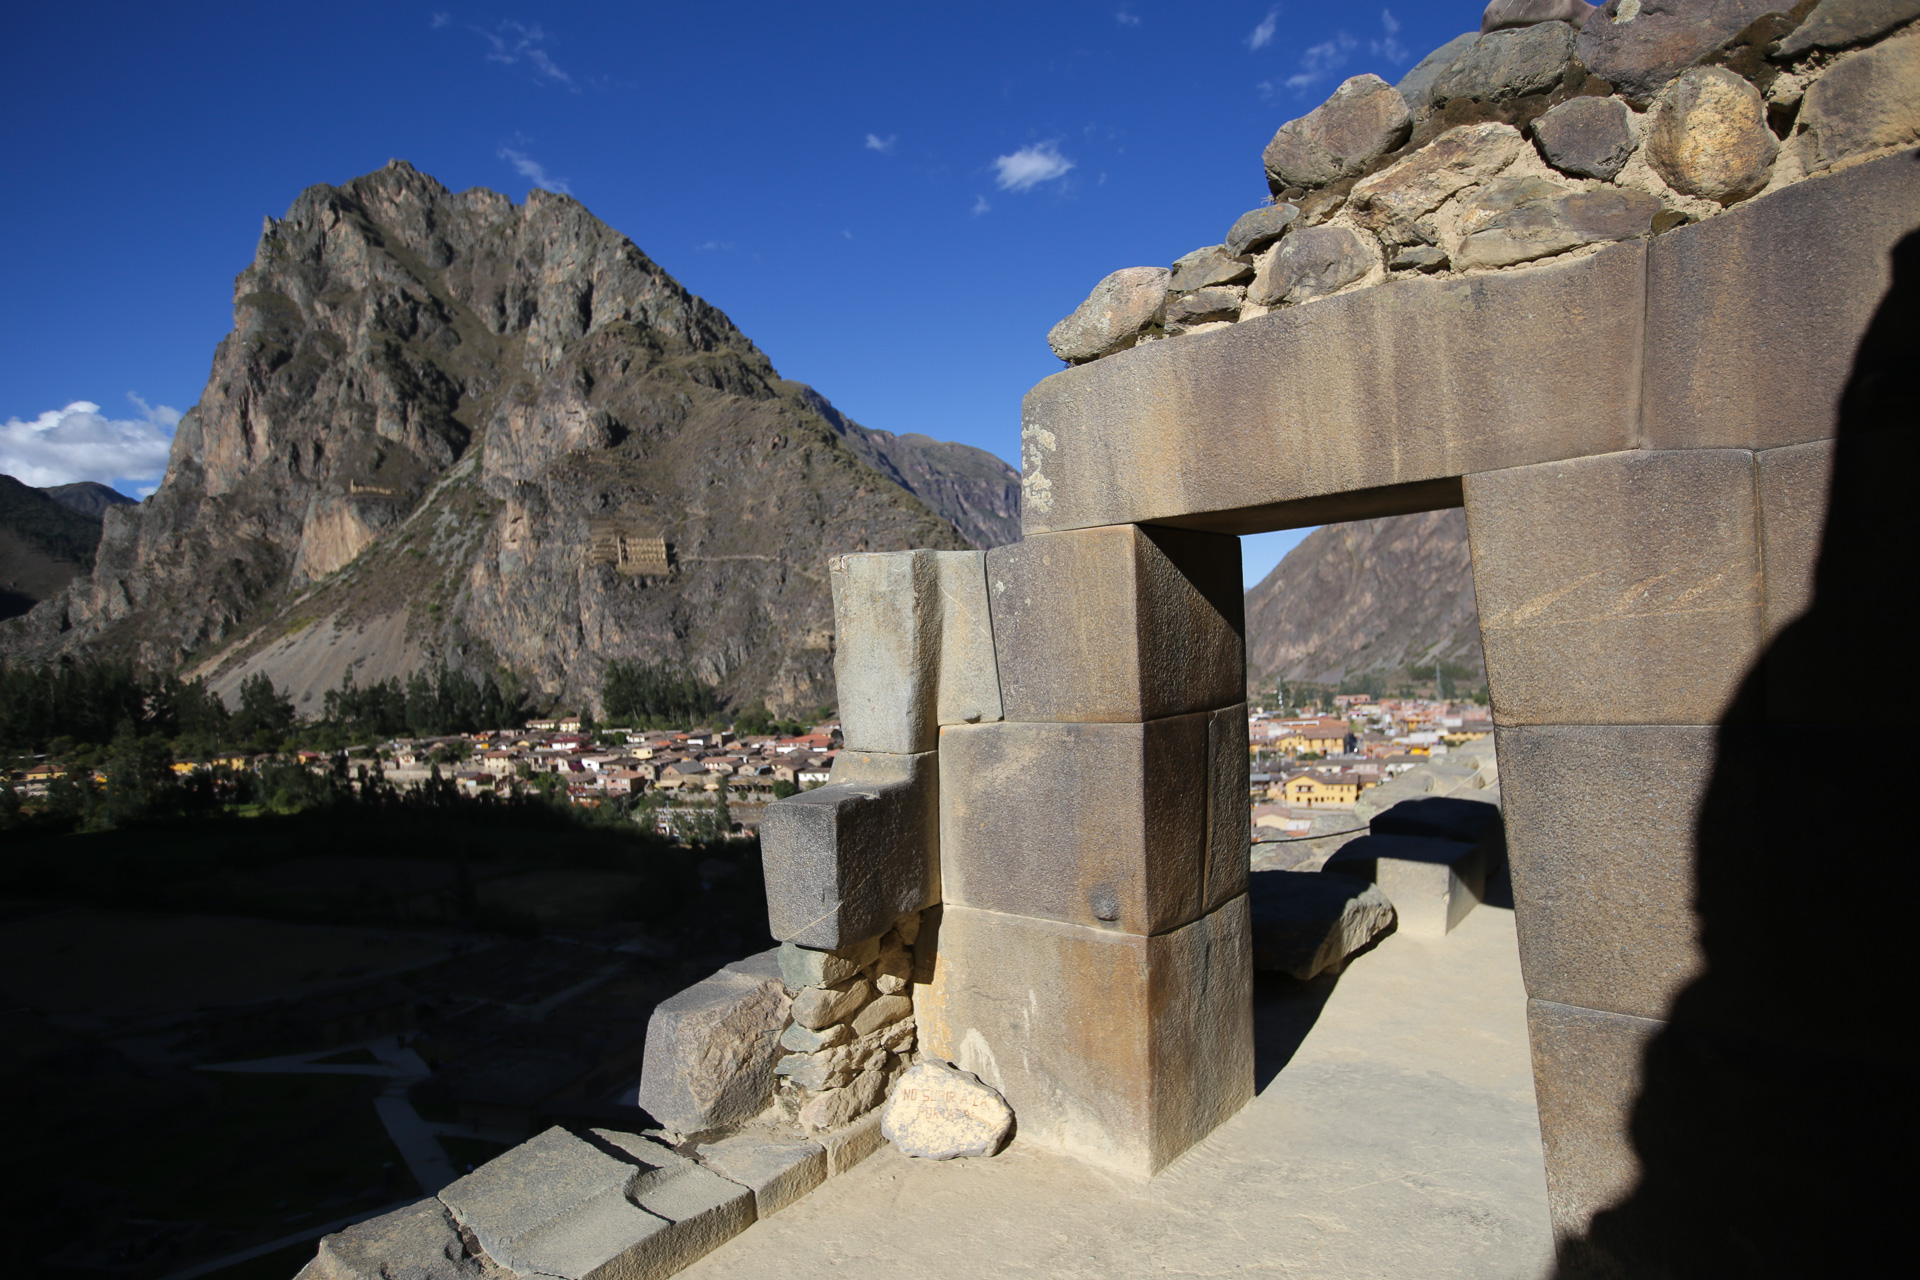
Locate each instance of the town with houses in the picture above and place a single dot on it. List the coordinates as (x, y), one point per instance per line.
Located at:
(1300, 764)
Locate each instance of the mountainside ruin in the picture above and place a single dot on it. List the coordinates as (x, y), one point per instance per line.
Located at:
(1373, 596)
(449, 427)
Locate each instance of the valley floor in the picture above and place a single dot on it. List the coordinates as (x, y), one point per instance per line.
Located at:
(1394, 1134)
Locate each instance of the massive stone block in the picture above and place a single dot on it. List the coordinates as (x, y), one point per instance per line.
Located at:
(1620, 589)
(558, 1205)
(1367, 404)
(844, 861)
(1753, 317)
(1794, 484)
(1586, 1074)
(419, 1242)
(886, 621)
(1432, 884)
(969, 689)
(1229, 826)
(1103, 825)
(914, 647)
(1119, 1049)
(776, 1168)
(710, 1049)
(1125, 623)
(1600, 836)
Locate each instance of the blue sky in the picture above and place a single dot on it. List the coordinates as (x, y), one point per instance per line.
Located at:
(895, 202)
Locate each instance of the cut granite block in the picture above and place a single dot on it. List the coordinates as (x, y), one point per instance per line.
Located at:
(507, 1200)
(710, 1048)
(886, 621)
(1432, 884)
(419, 1242)
(969, 687)
(844, 861)
(852, 1143)
(776, 1168)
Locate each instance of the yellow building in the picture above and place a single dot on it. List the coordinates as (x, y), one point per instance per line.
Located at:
(1317, 791)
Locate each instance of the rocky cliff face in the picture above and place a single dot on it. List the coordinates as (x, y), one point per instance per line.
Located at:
(979, 492)
(1371, 596)
(45, 542)
(449, 426)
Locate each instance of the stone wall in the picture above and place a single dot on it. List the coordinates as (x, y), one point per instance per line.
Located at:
(1535, 141)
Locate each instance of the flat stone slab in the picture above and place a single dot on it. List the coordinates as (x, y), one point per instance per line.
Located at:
(1433, 884)
(1306, 923)
(778, 1169)
(419, 1242)
(619, 1207)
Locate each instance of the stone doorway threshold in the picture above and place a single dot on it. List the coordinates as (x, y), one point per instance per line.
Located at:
(1394, 1135)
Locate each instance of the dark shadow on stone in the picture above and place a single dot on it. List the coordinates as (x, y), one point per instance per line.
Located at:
(1774, 1126)
(1284, 1010)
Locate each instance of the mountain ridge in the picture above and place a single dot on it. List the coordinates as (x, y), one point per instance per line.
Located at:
(1373, 597)
(436, 422)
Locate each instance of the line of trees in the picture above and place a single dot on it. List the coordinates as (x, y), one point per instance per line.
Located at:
(650, 695)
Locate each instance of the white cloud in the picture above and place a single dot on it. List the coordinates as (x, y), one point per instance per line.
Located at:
(535, 172)
(1321, 61)
(1263, 34)
(883, 145)
(517, 42)
(1030, 166)
(63, 446)
(439, 20)
(981, 206)
(712, 245)
(1127, 18)
(1388, 46)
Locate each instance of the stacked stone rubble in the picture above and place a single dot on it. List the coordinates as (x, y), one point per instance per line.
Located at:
(852, 1032)
(1558, 129)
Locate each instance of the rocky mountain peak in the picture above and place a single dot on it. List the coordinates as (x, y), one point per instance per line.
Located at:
(440, 408)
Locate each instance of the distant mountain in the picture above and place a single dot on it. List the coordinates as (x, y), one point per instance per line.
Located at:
(975, 489)
(451, 428)
(44, 545)
(1374, 596)
(89, 497)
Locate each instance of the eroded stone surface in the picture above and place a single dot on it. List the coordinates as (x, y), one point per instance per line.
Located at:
(886, 622)
(1866, 101)
(1208, 266)
(1586, 137)
(418, 1242)
(1502, 14)
(1310, 264)
(1204, 305)
(1364, 119)
(1520, 219)
(1121, 307)
(1835, 24)
(1417, 85)
(1707, 136)
(1509, 64)
(1415, 186)
(1256, 229)
(939, 1112)
(710, 1051)
(818, 1007)
(1639, 45)
(836, 1108)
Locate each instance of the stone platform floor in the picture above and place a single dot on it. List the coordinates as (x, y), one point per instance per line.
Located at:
(1394, 1134)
